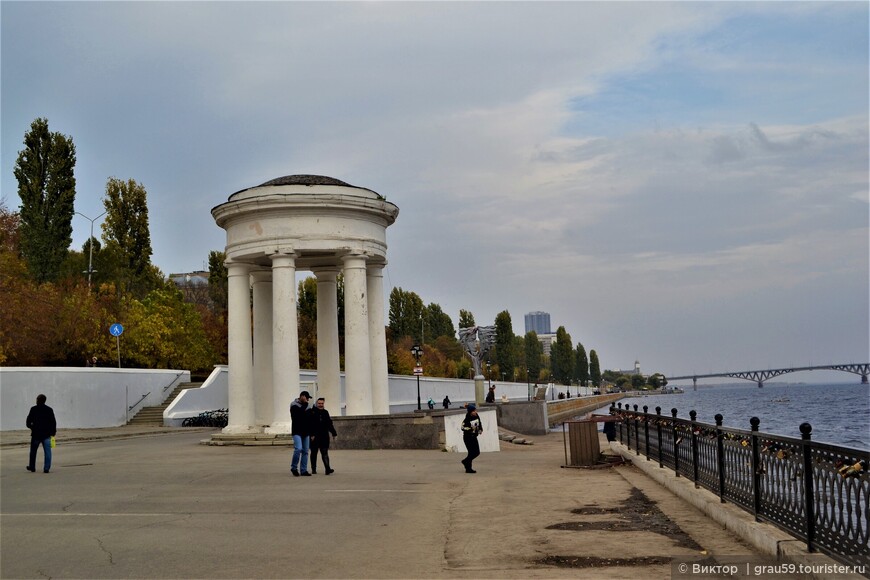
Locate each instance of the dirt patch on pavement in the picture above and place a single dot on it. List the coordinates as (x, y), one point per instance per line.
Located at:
(637, 513)
(592, 562)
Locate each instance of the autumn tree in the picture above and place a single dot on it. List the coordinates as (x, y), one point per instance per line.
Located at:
(594, 369)
(164, 331)
(581, 365)
(46, 185)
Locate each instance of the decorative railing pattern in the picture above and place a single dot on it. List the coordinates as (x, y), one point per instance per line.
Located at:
(817, 492)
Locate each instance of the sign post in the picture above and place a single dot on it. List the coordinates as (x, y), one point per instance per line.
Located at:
(116, 330)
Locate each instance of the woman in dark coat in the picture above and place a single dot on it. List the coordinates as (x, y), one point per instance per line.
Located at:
(471, 428)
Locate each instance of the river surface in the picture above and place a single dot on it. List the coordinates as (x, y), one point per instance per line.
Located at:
(839, 413)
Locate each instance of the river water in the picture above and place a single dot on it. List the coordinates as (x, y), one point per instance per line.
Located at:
(839, 413)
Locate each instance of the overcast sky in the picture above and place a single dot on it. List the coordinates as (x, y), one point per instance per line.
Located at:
(685, 184)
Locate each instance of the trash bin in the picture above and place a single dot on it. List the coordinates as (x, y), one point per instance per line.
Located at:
(583, 442)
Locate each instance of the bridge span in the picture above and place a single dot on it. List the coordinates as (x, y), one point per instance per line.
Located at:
(862, 369)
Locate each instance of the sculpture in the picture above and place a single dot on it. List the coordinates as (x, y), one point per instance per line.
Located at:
(478, 341)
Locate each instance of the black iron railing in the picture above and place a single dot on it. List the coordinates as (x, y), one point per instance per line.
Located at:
(817, 492)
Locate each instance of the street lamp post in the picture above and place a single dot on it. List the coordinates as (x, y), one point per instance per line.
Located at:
(528, 385)
(91, 243)
(489, 372)
(417, 351)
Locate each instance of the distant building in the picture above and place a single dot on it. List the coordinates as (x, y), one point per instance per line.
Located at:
(547, 341)
(187, 278)
(194, 286)
(538, 322)
(635, 371)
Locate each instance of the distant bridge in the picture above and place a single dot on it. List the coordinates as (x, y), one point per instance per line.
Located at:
(862, 369)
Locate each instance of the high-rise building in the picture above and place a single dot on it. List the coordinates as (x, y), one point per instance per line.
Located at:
(539, 322)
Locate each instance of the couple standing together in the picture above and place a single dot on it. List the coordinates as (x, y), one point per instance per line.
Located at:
(310, 429)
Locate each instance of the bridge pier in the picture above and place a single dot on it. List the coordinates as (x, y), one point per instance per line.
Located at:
(760, 384)
(694, 383)
(863, 379)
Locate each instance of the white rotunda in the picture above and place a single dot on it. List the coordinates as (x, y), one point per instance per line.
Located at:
(304, 222)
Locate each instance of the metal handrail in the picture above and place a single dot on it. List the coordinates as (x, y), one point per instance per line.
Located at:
(817, 492)
(167, 387)
(130, 408)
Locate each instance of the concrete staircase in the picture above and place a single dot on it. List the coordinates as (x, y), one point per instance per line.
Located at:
(154, 415)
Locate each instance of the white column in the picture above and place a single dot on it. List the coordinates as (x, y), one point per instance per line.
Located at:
(285, 341)
(239, 350)
(357, 353)
(328, 360)
(378, 340)
(263, 400)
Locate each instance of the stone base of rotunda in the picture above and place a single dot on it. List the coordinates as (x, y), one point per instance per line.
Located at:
(278, 429)
(418, 430)
(241, 429)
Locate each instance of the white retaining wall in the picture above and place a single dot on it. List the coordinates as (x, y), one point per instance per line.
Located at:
(488, 440)
(214, 395)
(83, 397)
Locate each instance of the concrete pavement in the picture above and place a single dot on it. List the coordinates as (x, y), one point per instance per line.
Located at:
(139, 504)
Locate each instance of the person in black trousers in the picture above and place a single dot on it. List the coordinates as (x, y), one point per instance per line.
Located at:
(321, 426)
(43, 427)
(471, 428)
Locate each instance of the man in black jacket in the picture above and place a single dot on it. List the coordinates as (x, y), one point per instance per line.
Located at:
(299, 428)
(321, 427)
(42, 427)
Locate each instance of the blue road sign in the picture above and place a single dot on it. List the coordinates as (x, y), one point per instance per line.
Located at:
(116, 329)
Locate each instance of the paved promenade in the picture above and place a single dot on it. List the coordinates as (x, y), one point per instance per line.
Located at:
(154, 503)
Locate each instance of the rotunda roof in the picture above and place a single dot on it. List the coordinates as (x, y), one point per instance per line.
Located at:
(306, 180)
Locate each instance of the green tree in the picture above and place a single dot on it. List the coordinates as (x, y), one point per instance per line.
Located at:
(562, 357)
(217, 280)
(658, 380)
(466, 319)
(581, 365)
(438, 323)
(504, 345)
(126, 233)
(406, 311)
(534, 352)
(594, 369)
(306, 298)
(46, 186)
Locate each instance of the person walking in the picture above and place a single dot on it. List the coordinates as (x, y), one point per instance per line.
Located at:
(471, 428)
(43, 426)
(300, 429)
(446, 402)
(321, 427)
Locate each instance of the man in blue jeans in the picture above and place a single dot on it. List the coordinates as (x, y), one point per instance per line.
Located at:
(42, 427)
(300, 429)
